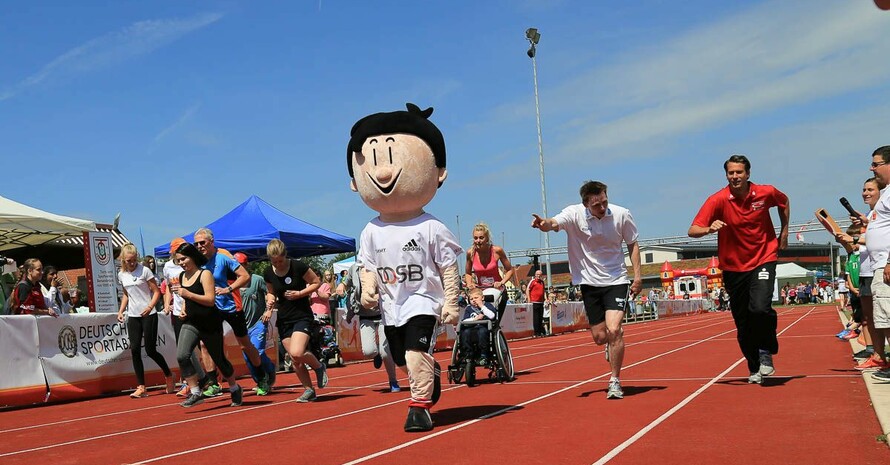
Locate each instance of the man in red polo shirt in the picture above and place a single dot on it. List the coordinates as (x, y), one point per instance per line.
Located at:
(534, 294)
(747, 248)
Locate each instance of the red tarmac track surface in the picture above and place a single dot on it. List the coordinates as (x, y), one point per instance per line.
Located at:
(686, 401)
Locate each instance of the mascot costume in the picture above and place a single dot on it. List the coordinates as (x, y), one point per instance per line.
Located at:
(397, 162)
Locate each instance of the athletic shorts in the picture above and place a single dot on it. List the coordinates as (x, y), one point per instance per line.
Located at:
(880, 292)
(417, 334)
(865, 286)
(287, 328)
(599, 299)
(236, 321)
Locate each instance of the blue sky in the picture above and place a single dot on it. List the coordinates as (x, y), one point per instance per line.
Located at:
(172, 113)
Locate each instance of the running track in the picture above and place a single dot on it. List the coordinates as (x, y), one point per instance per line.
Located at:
(686, 401)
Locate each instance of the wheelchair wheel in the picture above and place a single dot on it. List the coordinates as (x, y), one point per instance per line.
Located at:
(505, 360)
(470, 371)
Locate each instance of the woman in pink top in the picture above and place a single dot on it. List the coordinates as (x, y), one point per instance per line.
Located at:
(482, 265)
(320, 299)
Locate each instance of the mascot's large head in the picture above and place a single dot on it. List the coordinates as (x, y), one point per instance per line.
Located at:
(396, 161)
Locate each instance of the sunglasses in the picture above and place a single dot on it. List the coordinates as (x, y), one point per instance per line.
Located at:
(875, 164)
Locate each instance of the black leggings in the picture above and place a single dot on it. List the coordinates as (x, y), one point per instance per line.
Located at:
(145, 328)
(213, 340)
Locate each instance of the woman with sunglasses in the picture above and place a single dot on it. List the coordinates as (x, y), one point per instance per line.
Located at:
(141, 295)
(201, 322)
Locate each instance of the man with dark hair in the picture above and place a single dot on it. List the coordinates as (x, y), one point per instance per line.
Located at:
(877, 239)
(595, 232)
(747, 248)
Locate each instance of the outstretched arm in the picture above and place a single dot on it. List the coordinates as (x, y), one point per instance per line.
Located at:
(544, 224)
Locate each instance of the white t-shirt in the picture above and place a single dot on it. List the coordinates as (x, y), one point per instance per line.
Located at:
(171, 275)
(138, 291)
(408, 258)
(877, 235)
(596, 257)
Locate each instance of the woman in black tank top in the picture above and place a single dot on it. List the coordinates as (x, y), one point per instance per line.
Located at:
(201, 322)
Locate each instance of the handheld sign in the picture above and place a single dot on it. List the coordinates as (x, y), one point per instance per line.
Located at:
(832, 227)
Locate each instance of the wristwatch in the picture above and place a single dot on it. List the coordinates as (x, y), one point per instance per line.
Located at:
(229, 288)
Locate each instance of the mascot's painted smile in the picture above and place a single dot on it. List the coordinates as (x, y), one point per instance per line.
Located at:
(386, 189)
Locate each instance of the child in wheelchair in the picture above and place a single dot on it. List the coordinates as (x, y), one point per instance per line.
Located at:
(474, 328)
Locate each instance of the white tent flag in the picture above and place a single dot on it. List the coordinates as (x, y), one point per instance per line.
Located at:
(21, 225)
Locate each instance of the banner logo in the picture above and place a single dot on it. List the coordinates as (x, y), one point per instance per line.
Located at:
(68, 341)
(103, 250)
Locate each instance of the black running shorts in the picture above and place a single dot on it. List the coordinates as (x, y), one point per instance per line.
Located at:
(599, 299)
(416, 334)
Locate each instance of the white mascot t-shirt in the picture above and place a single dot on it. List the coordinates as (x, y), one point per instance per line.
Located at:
(408, 258)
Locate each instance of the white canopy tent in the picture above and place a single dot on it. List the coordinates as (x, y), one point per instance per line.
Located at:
(343, 265)
(21, 225)
(792, 270)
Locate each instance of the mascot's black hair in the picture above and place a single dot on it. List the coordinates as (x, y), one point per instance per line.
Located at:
(414, 121)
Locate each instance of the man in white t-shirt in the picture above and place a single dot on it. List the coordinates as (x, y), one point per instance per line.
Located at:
(595, 232)
(397, 162)
(877, 238)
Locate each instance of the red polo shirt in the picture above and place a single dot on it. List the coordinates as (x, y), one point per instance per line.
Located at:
(749, 239)
(536, 290)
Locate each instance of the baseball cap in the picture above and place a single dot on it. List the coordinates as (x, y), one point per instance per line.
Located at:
(175, 243)
(240, 257)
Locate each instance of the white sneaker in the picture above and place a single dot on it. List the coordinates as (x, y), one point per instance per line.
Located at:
(615, 391)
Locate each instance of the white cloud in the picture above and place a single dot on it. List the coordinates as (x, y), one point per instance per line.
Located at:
(139, 38)
(775, 55)
(183, 118)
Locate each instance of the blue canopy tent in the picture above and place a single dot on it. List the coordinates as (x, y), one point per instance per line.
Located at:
(251, 225)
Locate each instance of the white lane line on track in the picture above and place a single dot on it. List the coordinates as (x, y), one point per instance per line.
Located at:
(522, 404)
(579, 337)
(401, 401)
(639, 434)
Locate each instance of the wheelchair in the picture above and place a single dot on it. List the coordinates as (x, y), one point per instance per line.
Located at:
(500, 363)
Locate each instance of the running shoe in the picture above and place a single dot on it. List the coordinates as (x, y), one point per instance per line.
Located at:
(614, 391)
(184, 392)
(870, 364)
(139, 392)
(842, 334)
(237, 395)
(437, 384)
(394, 386)
(881, 375)
(766, 364)
(864, 353)
(171, 385)
(851, 335)
(321, 374)
(213, 390)
(378, 361)
(419, 420)
(262, 386)
(755, 378)
(482, 361)
(192, 400)
(308, 396)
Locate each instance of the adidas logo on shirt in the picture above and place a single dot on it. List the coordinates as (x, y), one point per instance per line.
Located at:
(411, 246)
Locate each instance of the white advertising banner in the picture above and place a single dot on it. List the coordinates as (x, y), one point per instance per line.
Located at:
(517, 321)
(568, 316)
(85, 355)
(22, 381)
(101, 275)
